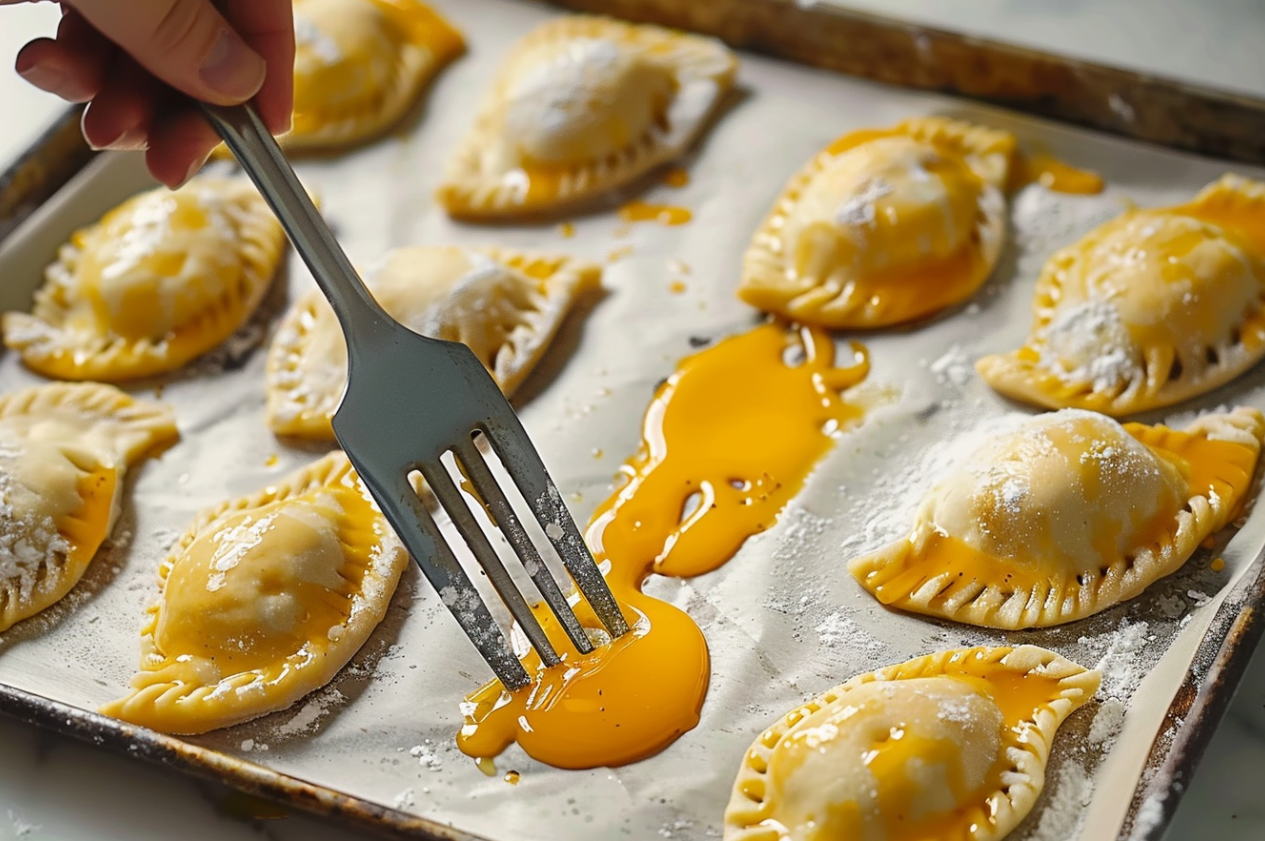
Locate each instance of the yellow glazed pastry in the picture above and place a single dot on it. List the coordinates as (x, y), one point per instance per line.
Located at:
(1152, 308)
(1066, 516)
(583, 105)
(64, 451)
(951, 746)
(505, 305)
(159, 280)
(359, 65)
(262, 601)
(884, 226)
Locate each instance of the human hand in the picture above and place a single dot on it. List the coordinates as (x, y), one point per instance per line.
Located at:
(119, 56)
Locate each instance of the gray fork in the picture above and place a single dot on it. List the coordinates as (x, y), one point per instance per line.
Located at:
(410, 399)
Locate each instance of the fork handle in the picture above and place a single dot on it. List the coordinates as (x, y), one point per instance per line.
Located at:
(260, 156)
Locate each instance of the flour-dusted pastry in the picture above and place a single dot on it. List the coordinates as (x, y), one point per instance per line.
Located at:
(1152, 308)
(583, 105)
(1066, 516)
(884, 226)
(359, 65)
(952, 745)
(505, 305)
(159, 280)
(262, 601)
(64, 451)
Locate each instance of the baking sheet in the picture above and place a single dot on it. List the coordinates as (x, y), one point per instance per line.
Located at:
(783, 619)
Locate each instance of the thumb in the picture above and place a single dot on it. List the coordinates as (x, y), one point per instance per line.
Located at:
(185, 43)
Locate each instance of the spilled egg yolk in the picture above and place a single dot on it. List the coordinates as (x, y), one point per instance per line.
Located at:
(1053, 174)
(664, 214)
(727, 441)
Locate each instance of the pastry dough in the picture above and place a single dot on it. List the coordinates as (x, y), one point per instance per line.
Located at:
(262, 601)
(1151, 308)
(583, 105)
(505, 305)
(64, 450)
(159, 280)
(359, 65)
(1066, 516)
(884, 226)
(949, 746)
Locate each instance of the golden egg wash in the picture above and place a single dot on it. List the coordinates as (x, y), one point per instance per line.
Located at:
(952, 745)
(727, 440)
(883, 226)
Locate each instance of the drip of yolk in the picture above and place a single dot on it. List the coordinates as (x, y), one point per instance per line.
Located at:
(1053, 174)
(677, 287)
(271, 461)
(676, 177)
(727, 441)
(567, 229)
(1217, 564)
(87, 528)
(664, 214)
(1212, 468)
(619, 254)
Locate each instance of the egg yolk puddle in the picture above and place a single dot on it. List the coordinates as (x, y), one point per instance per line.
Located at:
(728, 439)
(1053, 174)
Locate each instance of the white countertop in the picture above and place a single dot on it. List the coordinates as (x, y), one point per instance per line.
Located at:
(52, 787)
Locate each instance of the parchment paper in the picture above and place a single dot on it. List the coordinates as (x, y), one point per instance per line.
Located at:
(783, 619)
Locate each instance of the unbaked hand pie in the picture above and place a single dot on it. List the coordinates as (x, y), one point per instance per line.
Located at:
(1152, 308)
(262, 601)
(583, 105)
(1066, 516)
(884, 226)
(952, 745)
(505, 305)
(159, 280)
(64, 451)
(359, 65)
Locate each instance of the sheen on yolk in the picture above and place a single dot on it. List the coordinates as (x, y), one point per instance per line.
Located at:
(726, 442)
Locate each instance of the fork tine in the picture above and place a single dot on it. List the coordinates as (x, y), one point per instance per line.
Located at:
(522, 462)
(476, 469)
(441, 485)
(422, 538)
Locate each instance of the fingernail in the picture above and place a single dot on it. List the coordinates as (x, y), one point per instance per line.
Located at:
(194, 169)
(231, 68)
(130, 140)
